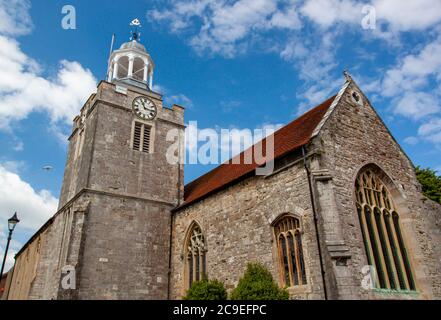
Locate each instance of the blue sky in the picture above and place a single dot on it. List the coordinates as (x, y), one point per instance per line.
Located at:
(233, 64)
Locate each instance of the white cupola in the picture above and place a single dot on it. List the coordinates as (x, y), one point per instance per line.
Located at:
(131, 63)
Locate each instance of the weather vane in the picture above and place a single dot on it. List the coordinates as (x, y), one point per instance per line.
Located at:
(135, 24)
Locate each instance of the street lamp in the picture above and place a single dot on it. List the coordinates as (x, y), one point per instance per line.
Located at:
(12, 222)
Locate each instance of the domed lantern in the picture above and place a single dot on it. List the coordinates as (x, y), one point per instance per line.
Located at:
(131, 63)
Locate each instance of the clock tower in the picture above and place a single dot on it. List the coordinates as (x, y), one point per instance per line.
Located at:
(123, 177)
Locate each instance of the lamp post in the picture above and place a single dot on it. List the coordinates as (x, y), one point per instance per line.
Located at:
(12, 222)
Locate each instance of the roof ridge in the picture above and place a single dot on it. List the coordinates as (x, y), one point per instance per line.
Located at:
(298, 133)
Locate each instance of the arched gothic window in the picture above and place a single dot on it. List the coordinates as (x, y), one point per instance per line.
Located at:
(382, 234)
(290, 252)
(195, 269)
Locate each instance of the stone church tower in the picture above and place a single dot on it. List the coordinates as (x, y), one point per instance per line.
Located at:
(113, 223)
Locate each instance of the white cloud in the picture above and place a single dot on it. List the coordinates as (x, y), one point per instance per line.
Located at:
(396, 15)
(19, 146)
(229, 27)
(311, 34)
(23, 86)
(410, 83)
(288, 19)
(315, 62)
(179, 16)
(412, 86)
(222, 26)
(327, 13)
(14, 17)
(412, 141)
(431, 130)
(13, 166)
(171, 98)
(23, 90)
(179, 99)
(33, 207)
(414, 70)
(417, 105)
(408, 15)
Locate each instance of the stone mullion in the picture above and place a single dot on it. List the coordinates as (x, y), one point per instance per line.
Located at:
(281, 261)
(194, 257)
(368, 241)
(385, 248)
(189, 270)
(389, 249)
(399, 253)
(201, 266)
(288, 257)
(297, 257)
(379, 248)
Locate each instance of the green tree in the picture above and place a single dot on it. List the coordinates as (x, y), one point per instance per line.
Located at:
(206, 290)
(258, 284)
(430, 182)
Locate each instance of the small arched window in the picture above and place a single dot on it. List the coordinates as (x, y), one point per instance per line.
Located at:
(290, 252)
(383, 240)
(195, 266)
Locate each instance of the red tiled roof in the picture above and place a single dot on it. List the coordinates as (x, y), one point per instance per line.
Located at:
(289, 138)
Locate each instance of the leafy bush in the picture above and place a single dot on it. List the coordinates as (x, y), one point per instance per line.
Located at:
(206, 290)
(258, 284)
(430, 182)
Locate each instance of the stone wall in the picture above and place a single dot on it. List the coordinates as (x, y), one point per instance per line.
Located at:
(354, 136)
(36, 271)
(25, 270)
(80, 152)
(125, 250)
(236, 223)
(431, 211)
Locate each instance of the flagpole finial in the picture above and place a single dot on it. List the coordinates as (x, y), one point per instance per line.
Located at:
(135, 24)
(347, 75)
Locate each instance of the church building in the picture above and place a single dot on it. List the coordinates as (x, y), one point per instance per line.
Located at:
(340, 216)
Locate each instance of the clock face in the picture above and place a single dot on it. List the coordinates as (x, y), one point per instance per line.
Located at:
(144, 108)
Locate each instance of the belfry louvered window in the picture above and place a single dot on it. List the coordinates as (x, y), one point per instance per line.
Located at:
(383, 239)
(290, 252)
(195, 255)
(141, 137)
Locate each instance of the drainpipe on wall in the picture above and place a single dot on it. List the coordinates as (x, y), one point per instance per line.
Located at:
(314, 211)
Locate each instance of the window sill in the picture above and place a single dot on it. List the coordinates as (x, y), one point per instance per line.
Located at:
(305, 288)
(397, 294)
